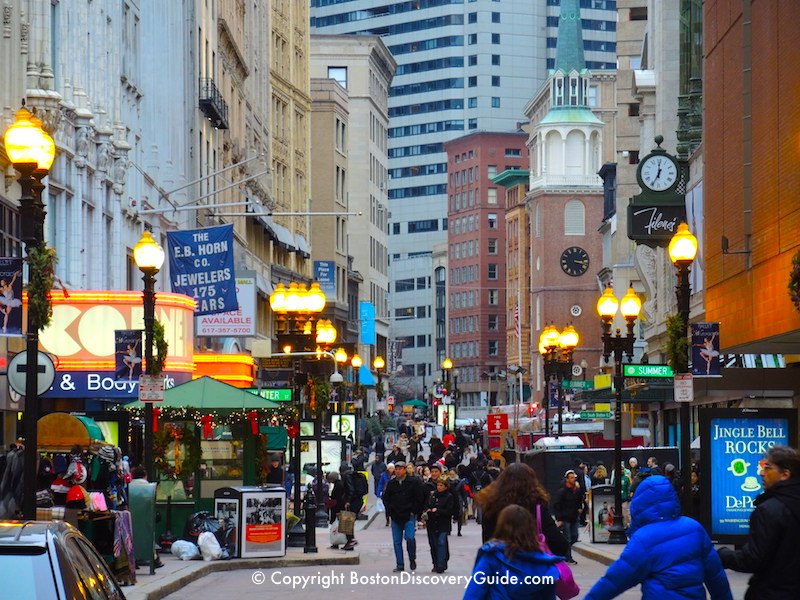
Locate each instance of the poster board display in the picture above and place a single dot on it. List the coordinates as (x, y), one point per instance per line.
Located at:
(732, 443)
(602, 512)
(263, 523)
(227, 511)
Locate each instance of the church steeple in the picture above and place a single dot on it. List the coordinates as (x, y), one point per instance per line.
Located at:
(569, 48)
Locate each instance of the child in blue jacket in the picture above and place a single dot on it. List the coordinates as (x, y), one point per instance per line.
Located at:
(671, 556)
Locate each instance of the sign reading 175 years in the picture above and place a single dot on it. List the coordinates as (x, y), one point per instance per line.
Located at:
(201, 266)
(733, 442)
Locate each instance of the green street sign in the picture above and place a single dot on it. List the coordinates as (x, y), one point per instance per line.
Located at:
(645, 371)
(276, 395)
(596, 414)
(576, 385)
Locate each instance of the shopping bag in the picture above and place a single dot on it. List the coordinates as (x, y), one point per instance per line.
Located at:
(566, 587)
(379, 507)
(337, 537)
(347, 522)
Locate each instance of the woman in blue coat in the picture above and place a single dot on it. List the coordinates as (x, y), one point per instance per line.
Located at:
(671, 556)
(510, 565)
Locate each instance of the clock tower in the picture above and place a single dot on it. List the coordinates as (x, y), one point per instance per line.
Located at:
(565, 201)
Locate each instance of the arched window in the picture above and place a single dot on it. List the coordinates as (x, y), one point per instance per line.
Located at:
(574, 218)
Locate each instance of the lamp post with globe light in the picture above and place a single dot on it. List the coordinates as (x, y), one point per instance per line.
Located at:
(682, 251)
(356, 363)
(557, 350)
(607, 306)
(149, 257)
(447, 366)
(31, 150)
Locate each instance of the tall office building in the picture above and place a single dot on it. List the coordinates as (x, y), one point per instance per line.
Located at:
(462, 67)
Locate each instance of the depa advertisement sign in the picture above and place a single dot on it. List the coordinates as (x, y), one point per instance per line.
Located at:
(733, 442)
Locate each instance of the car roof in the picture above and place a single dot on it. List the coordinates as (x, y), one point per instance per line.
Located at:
(30, 533)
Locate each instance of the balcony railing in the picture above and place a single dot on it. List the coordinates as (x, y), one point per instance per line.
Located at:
(568, 181)
(212, 104)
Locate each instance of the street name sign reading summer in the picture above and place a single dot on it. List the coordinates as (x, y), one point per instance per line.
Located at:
(577, 384)
(645, 371)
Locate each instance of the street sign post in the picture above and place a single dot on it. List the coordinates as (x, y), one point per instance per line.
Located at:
(151, 388)
(45, 372)
(645, 371)
(577, 384)
(496, 423)
(684, 387)
(596, 414)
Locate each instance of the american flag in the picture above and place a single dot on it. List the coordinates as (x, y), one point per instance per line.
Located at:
(517, 326)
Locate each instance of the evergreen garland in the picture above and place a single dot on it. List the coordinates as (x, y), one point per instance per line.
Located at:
(677, 347)
(41, 277)
(161, 346)
(794, 281)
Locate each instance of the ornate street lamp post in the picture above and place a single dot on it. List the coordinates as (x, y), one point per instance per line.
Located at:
(447, 366)
(149, 257)
(557, 350)
(31, 150)
(378, 364)
(682, 250)
(618, 345)
(341, 359)
(356, 363)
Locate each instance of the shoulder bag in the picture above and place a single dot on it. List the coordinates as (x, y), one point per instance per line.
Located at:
(566, 587)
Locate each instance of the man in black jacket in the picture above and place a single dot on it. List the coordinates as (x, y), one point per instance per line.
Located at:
(352, 501)
(772, 552)
(404, 499)
(567, 506)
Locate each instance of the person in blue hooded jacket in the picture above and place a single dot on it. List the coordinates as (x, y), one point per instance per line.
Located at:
(671, 556)
(510, 566)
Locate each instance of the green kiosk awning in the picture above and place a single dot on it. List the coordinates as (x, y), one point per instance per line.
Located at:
(208, 393)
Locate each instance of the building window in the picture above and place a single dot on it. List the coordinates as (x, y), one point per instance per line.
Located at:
(495, 17)
(638, 13)
(495, 38)
(472, 102)
(633, 157)
(473, 39)
(396, 228)
(491, 171)
(513, 152)
(494, 347)
(491, 196)
(574, 218)
(492, 246)
(495, 59)
(493, 324)
(492, 272)
(494, 297)
(592, 96)
(473, 81)
(339, 74)
(633, 109)
(472, 17)
(472, 124)
(473, 60)
(495, 80)
(492, 217)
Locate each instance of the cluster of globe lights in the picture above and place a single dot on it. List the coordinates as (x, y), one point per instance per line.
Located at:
(551, 338)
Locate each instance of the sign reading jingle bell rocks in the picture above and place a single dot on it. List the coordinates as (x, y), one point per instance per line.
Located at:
(201, 267)
(733, 442)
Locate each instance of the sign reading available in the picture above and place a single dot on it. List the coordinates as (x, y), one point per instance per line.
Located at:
(201, 267)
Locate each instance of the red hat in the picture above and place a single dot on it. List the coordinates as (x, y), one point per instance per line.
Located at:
(75, 494)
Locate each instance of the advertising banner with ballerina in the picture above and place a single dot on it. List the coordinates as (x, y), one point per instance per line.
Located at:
(128, 354)
(11, 296)
(705, 350)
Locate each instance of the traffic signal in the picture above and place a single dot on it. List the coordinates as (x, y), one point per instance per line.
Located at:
(532, 408)
(435, 402)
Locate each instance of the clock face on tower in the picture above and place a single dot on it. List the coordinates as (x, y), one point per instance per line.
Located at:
(575, 261)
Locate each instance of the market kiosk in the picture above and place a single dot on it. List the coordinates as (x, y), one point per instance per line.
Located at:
(210, 435)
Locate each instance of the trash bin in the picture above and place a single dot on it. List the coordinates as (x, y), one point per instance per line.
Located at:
(602, 512)
(258, 515)
(142, 505)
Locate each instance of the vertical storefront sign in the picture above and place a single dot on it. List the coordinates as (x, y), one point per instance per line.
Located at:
(733, 441)
(201, 267)
(705, 350)
(10, 296)
(367, 317)
(128, 352)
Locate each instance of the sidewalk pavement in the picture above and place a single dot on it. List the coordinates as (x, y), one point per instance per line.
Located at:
(601, 552)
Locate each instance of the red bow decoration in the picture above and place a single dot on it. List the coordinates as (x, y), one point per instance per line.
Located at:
(293, 430)
(207, 421)
(156, 413)
(253, 417)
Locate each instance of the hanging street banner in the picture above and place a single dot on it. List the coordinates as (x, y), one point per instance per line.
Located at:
(239, 322)
(201, 267)
(325, 275)
(705, 350)
(366, 313)
(733, 443)
(10, 296)
(128, 351)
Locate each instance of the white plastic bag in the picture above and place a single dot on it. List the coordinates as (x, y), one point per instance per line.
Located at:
(185, 550)
(379, 507)
(209, 546)
(337, 538)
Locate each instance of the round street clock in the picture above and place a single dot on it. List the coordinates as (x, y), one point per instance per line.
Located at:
(574, 261)
(658, 172)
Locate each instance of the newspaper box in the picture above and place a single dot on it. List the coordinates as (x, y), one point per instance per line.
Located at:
(258, 515)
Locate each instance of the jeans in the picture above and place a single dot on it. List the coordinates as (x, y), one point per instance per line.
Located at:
(442, 550)
(404, 530)
(570, 531)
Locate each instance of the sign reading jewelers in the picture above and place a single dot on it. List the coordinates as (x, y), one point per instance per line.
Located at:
(732, 442)
(201, 267)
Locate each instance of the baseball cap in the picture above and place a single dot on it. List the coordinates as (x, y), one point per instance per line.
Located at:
(570, 472)
(399, 464)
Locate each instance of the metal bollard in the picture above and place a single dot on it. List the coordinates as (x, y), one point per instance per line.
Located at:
(311, 525)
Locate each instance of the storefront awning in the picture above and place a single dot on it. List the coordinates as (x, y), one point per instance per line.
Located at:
(210, 394)
(62, 431)
(302, 245)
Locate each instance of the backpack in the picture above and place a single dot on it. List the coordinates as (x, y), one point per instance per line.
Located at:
(360, 484)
